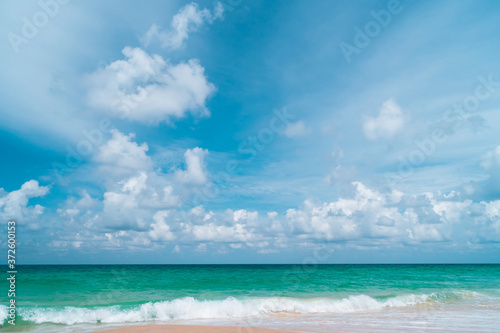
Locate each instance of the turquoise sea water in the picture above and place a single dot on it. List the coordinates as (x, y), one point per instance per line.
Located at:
(76, 298)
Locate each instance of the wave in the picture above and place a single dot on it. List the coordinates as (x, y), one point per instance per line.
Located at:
(191, 308)
(4, 311)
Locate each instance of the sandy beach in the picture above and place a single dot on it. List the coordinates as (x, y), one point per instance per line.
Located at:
(195, 329)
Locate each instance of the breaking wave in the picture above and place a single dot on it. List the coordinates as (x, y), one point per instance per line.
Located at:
(191, 308)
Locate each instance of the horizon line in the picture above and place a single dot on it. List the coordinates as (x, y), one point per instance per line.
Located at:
(263, 264)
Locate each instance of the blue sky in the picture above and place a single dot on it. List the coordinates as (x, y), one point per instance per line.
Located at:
(250, 131)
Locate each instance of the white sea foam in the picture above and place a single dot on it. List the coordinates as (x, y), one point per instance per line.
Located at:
(190, 308)
(4, 311)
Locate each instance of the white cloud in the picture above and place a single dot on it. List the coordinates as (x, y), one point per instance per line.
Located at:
(294, 130)
(14, 205)
(491, 160)
(425, 233)
(221, 233)
(198, 211)
(242, 214)
(189, 19)
(492, 210)
(148, 89)
(389, 122)
(160, 229)
(136, 189)
(144, 208)
(73, 207)
(195, 172)
(369, 215)
(267, 251)
(86, 201)
(272, 215)
(120, 155)
(201, 248)
(364, 219)
(130, 239)
(131, 202)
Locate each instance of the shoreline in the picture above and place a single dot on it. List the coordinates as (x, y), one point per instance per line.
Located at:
(165, 328)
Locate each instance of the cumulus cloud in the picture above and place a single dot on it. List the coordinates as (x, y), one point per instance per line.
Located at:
(371, 216)
(137, 190)
(160, 230)
(121, 155)
(149, 89)
(74, 207)
(189, 19)
(143, 209)
(389, 122)
(14, 205)
(367, 217)
(131, 202)
(195, 172)
(364, 219)
(221, 233)
(243, 214)
(294, 130)
(425, 233)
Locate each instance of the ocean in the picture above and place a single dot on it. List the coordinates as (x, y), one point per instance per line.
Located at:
(326, 298)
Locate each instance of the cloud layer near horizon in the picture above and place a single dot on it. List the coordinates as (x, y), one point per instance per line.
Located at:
(143, 208)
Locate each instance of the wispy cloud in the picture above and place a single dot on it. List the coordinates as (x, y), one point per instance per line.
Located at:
(189, 19)
(297, 129)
